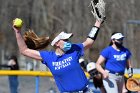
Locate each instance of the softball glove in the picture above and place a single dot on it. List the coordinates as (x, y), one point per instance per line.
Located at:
(98, 9)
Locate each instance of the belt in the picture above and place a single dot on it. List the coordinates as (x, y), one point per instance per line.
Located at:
(82, 91)
(117, 73)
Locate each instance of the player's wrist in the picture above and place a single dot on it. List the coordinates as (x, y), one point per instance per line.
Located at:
(93, 33)
(97, 23)
(130, 72)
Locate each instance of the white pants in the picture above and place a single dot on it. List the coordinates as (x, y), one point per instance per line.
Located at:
(114, 84)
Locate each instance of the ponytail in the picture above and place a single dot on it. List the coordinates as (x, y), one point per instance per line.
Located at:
(34, 42)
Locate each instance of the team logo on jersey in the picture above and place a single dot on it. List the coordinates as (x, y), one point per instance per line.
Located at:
(62, 64)
(120, 57)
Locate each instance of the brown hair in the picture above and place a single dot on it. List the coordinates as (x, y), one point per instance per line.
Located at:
(35, 42)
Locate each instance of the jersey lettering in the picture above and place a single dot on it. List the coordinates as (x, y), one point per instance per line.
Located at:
(120, 57)
(62, 64)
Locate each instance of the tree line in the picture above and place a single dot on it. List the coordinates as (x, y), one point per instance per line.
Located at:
(48, 16)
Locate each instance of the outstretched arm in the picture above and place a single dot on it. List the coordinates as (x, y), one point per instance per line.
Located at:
(23, 47)
(98, 11)
(92, 35)
(5, 65)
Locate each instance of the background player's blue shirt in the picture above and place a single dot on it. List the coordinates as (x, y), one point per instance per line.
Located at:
(115, 60)
(66, 69)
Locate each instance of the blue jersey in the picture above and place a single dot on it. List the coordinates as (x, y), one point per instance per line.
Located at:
(115, 60)
(66, 69)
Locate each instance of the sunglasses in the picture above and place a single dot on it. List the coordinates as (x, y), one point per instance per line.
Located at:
(121, 39)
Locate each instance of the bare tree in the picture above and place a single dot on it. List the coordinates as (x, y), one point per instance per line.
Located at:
(48, 16)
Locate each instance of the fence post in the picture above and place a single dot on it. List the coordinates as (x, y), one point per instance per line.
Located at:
(37, 84)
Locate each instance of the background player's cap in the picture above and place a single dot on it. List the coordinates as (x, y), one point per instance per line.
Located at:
(117, 36)
(91, 66)
(61, 36)
(81, 60)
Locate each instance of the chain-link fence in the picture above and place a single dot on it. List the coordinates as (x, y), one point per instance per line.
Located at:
(132, 41)
(28, 85)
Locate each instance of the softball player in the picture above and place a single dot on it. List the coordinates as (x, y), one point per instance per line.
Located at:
(96, 76)
(116, 58)
(63, 62)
